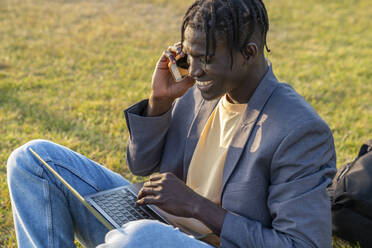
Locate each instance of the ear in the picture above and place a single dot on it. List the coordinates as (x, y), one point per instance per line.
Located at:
(250, 52)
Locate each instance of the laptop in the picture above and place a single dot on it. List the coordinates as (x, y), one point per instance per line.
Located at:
(115, 207)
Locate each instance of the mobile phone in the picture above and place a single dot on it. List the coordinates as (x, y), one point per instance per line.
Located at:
(180, 69)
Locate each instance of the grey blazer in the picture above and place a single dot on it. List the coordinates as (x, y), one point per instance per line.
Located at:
(278, 165)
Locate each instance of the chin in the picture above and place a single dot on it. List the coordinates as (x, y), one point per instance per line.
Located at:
(210, 97)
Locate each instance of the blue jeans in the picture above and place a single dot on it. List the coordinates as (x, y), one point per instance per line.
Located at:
(46, 214)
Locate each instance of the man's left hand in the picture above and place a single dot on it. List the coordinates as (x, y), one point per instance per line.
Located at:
(170, 194)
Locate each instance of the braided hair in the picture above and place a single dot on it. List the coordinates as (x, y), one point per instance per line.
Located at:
(238, 20)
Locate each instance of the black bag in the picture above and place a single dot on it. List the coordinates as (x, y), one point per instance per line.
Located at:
(351, 197)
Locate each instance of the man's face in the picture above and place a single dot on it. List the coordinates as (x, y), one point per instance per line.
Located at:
(214, 78)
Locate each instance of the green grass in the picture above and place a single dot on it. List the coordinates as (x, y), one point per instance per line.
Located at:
(69, 68)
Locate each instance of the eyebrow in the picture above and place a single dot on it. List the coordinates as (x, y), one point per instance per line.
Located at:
(193, 53)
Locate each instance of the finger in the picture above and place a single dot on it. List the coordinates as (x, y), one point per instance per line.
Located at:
(145, 191)
(152, 184)
(173, 49)
(149, 200)
(156, 177)
(177, 44)
(170, 56)
(176, 49)
(163, 62)
(179, 49)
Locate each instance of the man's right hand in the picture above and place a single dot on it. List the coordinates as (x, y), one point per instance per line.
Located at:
(164, 88)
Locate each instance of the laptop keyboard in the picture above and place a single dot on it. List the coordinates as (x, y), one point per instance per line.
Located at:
(120, 206)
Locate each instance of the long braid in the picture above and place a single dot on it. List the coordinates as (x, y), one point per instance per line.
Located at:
(189, 13)
(206, 28)
(250, 12)
(213, 27)
(234, 20)
(265, 23)
(230, 32)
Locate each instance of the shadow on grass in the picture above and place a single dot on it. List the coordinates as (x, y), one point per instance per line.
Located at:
(47, 120)
(4, 66)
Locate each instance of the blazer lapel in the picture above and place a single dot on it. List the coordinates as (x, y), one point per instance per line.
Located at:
(248, 121)
(201, 117)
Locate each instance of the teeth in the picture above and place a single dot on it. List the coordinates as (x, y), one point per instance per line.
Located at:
(203, 83)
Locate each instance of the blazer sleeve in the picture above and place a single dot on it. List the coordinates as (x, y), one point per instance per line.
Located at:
(302, 166)
(146, 139)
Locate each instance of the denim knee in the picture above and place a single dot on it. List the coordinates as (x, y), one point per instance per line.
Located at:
(146, 226)
(22, 159)
(139, 233)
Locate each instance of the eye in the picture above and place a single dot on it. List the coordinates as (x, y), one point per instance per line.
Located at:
(200, 58)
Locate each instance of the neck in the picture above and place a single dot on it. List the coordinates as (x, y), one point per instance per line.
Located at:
(250, 82)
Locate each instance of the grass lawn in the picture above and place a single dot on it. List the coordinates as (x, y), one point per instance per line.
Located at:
(69, 68)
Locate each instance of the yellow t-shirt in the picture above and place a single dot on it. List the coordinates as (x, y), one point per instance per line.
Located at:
(205, 172)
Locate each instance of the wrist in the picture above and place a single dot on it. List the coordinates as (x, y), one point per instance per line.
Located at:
(158, 106)
(211, 214)
(197, 207)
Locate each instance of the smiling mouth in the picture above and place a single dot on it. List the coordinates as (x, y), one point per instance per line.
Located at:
(204, 83)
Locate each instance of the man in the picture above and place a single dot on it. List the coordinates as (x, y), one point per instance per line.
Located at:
(239, 154)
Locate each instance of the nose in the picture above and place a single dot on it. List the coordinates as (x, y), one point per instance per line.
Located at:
(196, 69)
